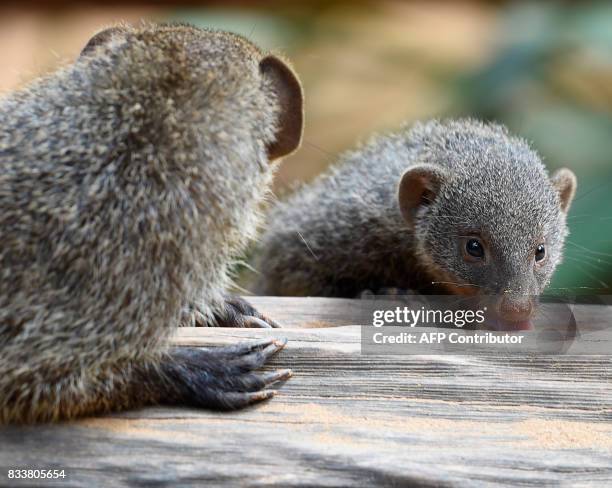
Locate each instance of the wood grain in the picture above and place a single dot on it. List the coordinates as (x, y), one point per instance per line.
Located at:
(347, 419)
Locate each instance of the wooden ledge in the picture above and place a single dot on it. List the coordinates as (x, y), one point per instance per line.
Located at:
(347, 419)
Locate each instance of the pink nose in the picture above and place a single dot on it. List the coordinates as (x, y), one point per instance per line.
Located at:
(515, 310)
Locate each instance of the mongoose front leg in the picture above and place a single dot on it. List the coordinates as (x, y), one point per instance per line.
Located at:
(220, 378)
(234, 312)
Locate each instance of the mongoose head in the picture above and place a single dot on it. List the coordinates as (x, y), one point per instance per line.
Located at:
(487, 218)
(211, 67)
(204, 113)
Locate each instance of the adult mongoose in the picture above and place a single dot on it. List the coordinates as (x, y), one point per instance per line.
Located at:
(457, 206)
(128, 181)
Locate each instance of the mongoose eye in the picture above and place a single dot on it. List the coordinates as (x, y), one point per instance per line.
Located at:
(540, 253)
(474, 248)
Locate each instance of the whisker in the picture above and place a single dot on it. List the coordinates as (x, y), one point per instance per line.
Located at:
(455, 283)
(591, 190)
(592, 276)
(572, 288)
(309, 248)
(589, 259)
(589, 250)
(297, 231)
(585, 217)
(249, 37)
(318, 148)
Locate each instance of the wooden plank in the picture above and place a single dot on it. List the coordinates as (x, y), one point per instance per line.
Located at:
(347, 419)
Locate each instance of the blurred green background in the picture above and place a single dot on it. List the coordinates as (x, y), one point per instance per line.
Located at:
(544, 69)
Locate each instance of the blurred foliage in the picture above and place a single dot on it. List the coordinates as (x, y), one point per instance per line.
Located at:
(542, 68)
(551, 81)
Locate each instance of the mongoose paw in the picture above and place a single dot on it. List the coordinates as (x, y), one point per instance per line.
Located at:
(237, 312)
(224, 378)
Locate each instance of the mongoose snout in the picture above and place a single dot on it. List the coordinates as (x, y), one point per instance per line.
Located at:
(515, 312)
(443, 207)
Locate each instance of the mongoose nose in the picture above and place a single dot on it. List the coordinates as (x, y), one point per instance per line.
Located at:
(515, 309)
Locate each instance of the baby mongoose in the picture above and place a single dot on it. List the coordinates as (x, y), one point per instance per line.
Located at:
(458, 207)
(128, 181)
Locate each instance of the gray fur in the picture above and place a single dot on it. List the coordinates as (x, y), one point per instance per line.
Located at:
(345, 233)
(128, 182)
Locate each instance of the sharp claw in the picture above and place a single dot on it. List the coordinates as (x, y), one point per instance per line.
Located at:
(264, 344)
(272, 349)
(251, 356)
(274, 376)
(273, 323)
(255, 322)
(251, 346)
(258, 396)
(258, 357)
(235, 399)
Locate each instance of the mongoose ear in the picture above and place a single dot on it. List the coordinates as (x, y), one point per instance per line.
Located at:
(100, 38)
(564, 181)
(419, 186)
(291, 101)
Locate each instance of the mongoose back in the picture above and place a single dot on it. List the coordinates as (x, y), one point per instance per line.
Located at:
(128, 181)
(457, 206)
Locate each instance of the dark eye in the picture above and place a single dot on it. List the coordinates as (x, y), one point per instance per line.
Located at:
(540, 253)
(474, 248)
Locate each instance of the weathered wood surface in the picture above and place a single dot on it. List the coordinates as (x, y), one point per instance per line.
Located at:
(347, 419)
